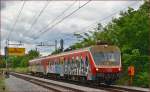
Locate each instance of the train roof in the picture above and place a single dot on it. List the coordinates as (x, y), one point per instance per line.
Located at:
(60, 54)
(72, 51)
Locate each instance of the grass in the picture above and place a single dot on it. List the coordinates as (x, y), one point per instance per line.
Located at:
(2, 83)
(21, 70)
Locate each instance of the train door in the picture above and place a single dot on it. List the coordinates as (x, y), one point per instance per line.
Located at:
(50, 64)
(78, 64)
(65, 65)
(71, 65)
(61, 66)
(81, 66)
(75, 65)
(88, 67)
(43, 66)
(68, 66)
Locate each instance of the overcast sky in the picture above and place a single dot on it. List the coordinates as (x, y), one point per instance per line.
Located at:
(30, 23)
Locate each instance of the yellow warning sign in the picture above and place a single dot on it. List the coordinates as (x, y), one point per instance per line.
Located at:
(16, 51)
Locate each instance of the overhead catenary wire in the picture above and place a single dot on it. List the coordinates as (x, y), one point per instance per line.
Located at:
(69, 34)
(41, 33)
(103, 19)
(71, 39)
(17, 18)
(54, 20)
(107, 17)
(36, 19)
(63, 12)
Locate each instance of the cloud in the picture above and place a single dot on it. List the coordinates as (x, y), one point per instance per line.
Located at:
(3, 5)
(91, 13)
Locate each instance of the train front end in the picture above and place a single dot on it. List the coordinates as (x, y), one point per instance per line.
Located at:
(107, 61)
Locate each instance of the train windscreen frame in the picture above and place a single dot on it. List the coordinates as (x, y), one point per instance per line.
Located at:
(106, 55)
(106, 58)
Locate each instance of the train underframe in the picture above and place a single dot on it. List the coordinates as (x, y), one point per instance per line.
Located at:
(107, 78)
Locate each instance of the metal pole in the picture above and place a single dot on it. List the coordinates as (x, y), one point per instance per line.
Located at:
(55, 45)
(6, 53)
(61, 44)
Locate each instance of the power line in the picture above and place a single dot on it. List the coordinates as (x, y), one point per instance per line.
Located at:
(61, 14)
(36, 19)
(13, 27)
(61, 20)
(54, 20)
(59, 37)
(105, 18)
(97, 21)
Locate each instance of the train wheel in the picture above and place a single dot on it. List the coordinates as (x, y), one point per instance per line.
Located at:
(82, 80)
(108, 82)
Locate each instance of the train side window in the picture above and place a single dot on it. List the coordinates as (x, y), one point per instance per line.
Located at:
(78, 61)
(63, 61)
(86, 61)
(59, 62)
(68, 61)
(72, 60)
(52, 62)
(55, 62)
(49, 63)
(81, 61)
(75, 62)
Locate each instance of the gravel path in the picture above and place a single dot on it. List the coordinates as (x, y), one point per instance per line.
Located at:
(14, 84)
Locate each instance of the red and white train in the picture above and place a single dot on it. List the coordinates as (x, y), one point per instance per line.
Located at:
(100, 63)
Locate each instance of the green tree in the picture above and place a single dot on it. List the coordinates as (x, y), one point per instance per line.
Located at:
(130, 32)
(33, 54)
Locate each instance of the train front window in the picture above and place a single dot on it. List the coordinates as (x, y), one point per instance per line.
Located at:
(106, 58)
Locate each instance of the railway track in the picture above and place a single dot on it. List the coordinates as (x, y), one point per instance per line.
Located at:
(90, 87)
(48, 85)
(54, 85)
(110, 88)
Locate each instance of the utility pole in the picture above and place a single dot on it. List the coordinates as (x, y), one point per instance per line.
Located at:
(6, 53)
(0, 47)
(56, 45)
(61, 44)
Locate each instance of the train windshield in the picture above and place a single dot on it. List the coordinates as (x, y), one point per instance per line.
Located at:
(106, 58)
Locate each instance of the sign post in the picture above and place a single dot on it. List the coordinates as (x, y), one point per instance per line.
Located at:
(6, 55)
(131, 72)
(9, 51)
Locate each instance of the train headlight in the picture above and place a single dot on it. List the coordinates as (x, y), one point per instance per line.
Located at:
(96, 69)
(105, 45)
(119, 69)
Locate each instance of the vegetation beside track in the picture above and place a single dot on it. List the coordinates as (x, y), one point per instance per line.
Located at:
(21, 70)
(2, 82)
(130, 32)
(19, 61)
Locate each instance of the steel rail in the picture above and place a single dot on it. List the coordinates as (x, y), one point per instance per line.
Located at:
(110, 88)
(48, 85)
